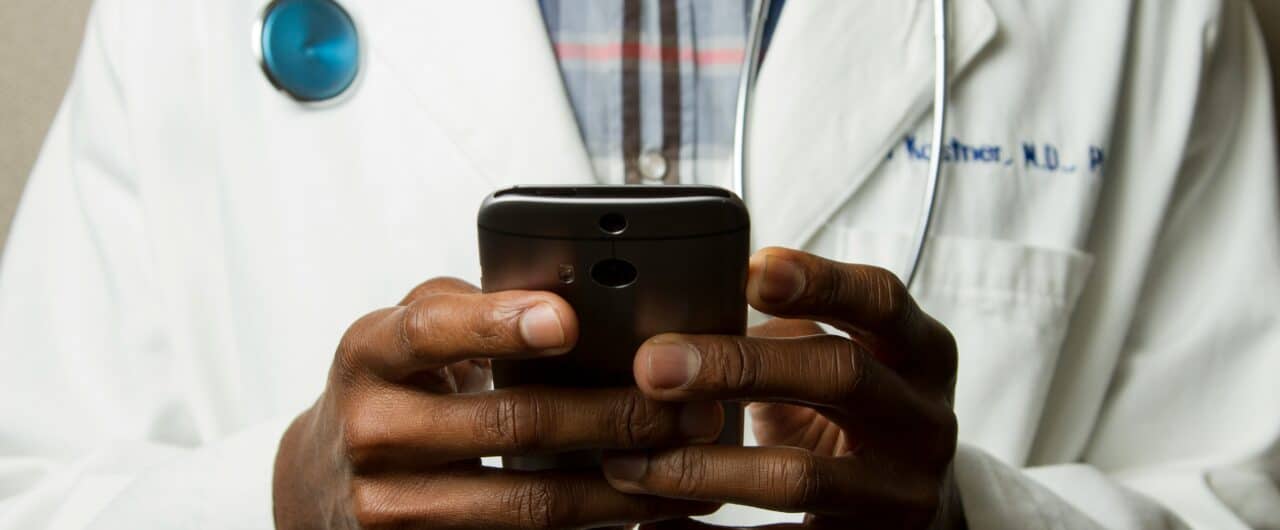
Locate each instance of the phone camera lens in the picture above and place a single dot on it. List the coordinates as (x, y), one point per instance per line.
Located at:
(614, 273)
(613, 223)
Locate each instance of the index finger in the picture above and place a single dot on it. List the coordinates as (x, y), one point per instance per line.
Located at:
(441, 328)
(864, 301)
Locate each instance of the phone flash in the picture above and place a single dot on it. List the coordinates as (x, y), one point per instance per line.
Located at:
(566, 274)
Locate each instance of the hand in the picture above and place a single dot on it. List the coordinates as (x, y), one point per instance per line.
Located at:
(862, 429)
(396, 438)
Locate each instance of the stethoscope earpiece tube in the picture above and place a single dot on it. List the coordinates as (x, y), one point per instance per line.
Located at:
(746, 86)
(309, 49)
(746, 90)
(941, 74)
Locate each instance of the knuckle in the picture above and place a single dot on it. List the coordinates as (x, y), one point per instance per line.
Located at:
(355, 346)
(742, 368)
(835, 286)
(369, 508)
(888, 296)
(362, 440)
(797, 480)
(539, 504)
(345, 370)
(348, 349)
(495, 328)
(459, 319)
(513, 420)
(687, 470)
(849, 370)
(416, 323)
(638, 421)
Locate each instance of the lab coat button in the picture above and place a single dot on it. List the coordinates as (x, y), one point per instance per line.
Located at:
(653, 165)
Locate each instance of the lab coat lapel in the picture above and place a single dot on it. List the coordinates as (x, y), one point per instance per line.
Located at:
(842, 83)
(486, 73)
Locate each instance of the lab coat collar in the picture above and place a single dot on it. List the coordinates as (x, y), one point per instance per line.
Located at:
(485, 72)
(843, 82)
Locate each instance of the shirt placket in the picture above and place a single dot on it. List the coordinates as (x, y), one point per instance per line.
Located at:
(652, 92)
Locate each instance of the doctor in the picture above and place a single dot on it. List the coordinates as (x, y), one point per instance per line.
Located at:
(193, 247)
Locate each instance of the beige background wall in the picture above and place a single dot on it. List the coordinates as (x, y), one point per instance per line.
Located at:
(38, 43)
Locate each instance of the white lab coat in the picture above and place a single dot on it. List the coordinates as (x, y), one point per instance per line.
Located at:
(192, 244)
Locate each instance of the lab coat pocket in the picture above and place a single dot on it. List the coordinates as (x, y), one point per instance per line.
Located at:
(1008, 305)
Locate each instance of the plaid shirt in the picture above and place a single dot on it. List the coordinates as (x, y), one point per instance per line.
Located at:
(653, 84)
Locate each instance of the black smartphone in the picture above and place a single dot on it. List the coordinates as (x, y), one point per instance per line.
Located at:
(633, 262)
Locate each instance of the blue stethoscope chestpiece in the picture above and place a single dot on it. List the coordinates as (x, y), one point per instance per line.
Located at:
(309, 49)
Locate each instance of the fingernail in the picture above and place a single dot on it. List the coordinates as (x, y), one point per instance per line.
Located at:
(781, 280)
(701, 421)
(672, 365)
(627, 467)
(541, 329)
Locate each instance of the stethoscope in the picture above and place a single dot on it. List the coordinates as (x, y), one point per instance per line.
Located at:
(310, 50)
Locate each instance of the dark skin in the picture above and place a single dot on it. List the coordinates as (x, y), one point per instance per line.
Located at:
(396, 438)
(855, 432)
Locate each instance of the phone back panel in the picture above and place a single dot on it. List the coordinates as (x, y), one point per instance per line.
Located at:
(689, 277)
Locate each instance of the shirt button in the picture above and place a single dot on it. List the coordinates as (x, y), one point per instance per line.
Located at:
(653, 165)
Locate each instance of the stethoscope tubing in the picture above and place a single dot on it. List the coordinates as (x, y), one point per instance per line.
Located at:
(941, 103)
(746, 92)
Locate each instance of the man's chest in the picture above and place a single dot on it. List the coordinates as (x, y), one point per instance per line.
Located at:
(325, 214)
